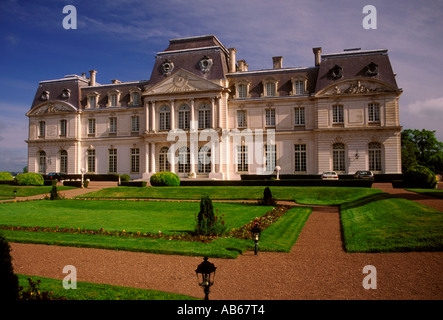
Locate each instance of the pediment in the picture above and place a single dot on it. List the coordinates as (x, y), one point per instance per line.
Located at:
(52, 108)
(356, 87)
(182, 81)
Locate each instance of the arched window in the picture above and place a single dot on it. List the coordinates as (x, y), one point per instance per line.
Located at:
(338, 157)
(42, 162)
(204, 116)
(375, 163)
(184, 117)
(184, 160)
(165, 118)
(204, 160)
(63, 161)
(163, 164)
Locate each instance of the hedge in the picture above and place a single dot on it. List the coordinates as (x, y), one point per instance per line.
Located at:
(133, 184)
(295, 182)
(6, 176)
(164, 178)
(29, 179)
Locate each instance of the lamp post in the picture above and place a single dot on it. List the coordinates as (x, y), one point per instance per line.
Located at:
(15, 194)
(278, 168)
(256, 236)
(205, 275)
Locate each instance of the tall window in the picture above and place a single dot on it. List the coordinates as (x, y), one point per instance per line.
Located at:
(135, 98)
(270, 89)
(163, 164)
(92, 102)
(135, 124)
(270, 117)
(241, 119)
(374, 112)
(184, 160)
(165, 118)
(91, 160)
(184, 117)
(63, 161)
(113, 100)
(300, 158)
(242, 159)
(63, 125)
(271, 157)
(338, 157)
(42, 162)
(337, 113)
(41, 129)
(113, 125)
(112, 161)
(242, 91)
(91, 126)
(135, 160)
(299, 87)
(204, 116)
(375, 163)
(204, 160)
(299, 116)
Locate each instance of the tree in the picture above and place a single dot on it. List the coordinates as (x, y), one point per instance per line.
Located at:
(421, 148)
(9, 289)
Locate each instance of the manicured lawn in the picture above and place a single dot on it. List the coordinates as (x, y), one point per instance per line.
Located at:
(429, 192)
(7, 191)
(302, 195)
(94, 291)
(382, 223)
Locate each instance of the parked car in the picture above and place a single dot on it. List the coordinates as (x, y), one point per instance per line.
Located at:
(56, 175)
(364, 175)
(329, 175)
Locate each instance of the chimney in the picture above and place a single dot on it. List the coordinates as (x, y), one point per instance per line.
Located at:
(92, 77)
(277, 62)
(317, 54)
(115, 81)
(232, 52)
(242, 65)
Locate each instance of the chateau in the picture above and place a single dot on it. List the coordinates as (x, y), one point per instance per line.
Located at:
(222, 119)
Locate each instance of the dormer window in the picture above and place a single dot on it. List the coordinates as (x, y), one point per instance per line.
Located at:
(270, 88)
(336, 72)
(114, 98)
(372, 69)
(135, 97)
(66, 93)
(45, 95)
(242, 90)
(299, 86)
(92, 100)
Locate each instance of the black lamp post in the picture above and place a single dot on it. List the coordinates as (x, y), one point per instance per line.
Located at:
(15, 194)
(256, 235)
(205, 275)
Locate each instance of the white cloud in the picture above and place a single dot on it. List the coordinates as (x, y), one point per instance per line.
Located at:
(424, 114)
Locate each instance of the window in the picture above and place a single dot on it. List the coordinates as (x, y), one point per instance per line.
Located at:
(91, 126)
(242, 159)
(113, 125)
(42, 162)
(299, 116)
(113, 100)
(337, 114)
(135, 98)
(91, 160)
(338, 157)
(300, 158)
(63, 124)
(165, 118)
(163, 164)
(135, 160)
(204, 160)
(204, 116)
(112, 168)
(271, 157)
(135, 124)
(375, 156)
(184, 160)
(41, 129)
(241, 119)
(374, 112)
(63, 161)
(299, 86)
(242, 91)
(270, 89)
(92, 102)
(184, 117)
(270, 117)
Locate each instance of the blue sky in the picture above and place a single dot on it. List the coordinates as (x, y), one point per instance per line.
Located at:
(120, 40)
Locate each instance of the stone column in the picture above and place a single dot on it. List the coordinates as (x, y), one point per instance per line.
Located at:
(213, 112)
(152, 157)
(219, 112)
(172, 115)
(153, 126)
(147, 127)
(192, 115)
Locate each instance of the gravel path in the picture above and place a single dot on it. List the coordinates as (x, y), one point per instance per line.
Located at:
(316, 268)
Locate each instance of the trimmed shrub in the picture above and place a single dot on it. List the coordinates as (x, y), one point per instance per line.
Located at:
(420, 177)
(29, 179)
(164, 178)
(133, 183)
(9, 289)
(6, 176)
(268, 199)
(207, 223)
(124, 177)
